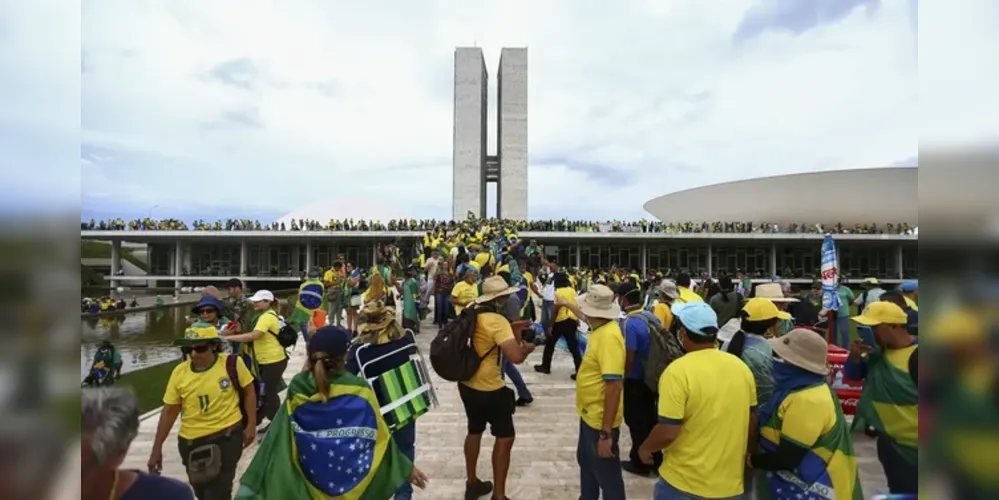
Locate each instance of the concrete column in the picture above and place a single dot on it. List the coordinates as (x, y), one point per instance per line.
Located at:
(187, 260)
(244, 257)
(579, 255)
(900, 261)
(178, 266)
(295, 264)
(773, 259)
(645, 260)
(710, 273)
(116, 266)
(308, 256)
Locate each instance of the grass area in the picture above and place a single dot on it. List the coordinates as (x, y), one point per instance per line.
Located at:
(102, 250)
(149, 384)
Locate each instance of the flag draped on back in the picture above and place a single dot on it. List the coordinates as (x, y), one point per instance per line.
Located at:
(339, 450)
(311, 298)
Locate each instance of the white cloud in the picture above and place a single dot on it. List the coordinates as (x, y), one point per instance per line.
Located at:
(354, 99)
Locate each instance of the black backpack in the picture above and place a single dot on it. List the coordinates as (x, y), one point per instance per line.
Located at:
(258, 388)
(287, 336)
(452, 353)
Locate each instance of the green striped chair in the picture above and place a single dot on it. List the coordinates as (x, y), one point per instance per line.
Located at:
(404, 393)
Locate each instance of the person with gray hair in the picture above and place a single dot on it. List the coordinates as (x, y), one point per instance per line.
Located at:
(109, 423)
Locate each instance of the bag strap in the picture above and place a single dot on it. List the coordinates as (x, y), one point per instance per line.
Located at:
(233, 372)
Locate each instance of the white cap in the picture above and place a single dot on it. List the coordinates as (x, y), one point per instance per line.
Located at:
(262, 295)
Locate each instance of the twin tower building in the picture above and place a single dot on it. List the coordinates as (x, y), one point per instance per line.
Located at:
(473, 166)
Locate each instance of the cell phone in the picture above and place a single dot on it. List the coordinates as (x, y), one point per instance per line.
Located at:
(866, 335)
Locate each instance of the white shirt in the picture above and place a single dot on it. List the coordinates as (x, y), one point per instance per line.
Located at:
(549, 291)
(431, 267)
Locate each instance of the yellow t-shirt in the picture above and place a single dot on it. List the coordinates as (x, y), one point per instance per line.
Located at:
(482, 259)
(572, 281)
(267, 349)
(465, 293)
(665, 315)
(569, 295)
(688, 295)
(491, 330)
(209, 403)
(709, 393)
(603, 361)
(328, 276)
(474, 265)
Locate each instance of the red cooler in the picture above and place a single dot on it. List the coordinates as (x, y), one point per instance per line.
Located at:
(848, 391)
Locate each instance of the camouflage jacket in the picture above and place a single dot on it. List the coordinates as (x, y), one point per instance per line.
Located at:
(239, 308)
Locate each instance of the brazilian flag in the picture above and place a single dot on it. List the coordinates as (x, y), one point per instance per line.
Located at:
(311, 297)
(338, 450)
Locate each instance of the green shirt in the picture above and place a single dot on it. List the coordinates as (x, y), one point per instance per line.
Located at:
(410, 296)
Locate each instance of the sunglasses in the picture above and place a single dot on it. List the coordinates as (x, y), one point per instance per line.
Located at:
(207, 310)
(203, 348)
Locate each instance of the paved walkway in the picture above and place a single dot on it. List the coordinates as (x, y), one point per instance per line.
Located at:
(544, 455)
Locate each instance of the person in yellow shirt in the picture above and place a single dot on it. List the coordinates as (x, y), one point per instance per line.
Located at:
(707, 402)
(910, 292)
(269, 357)
(683, 287)
(206, 392)
(599, 384)
(667, 294)
(465, 291)
(486, 399)
(565, 325)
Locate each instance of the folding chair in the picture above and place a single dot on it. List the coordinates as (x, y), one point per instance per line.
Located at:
(404, 393)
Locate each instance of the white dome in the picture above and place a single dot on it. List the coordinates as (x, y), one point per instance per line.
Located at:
(345, 208)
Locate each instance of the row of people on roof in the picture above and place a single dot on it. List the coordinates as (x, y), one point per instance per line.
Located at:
(436, 226)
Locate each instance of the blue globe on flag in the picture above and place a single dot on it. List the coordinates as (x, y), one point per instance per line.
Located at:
(335, 450)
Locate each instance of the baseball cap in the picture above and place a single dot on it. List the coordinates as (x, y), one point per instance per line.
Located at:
(332, 340)
(629, 290)
(882, 313)
(760, 309)
(668, 288)
(234, 283)
(262, 295)
(696, 317)
(909, 286)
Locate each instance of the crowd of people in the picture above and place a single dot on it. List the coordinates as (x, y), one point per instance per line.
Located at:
(723, 384)
(442, 227)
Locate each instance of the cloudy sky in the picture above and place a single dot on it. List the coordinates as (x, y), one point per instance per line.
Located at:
(256, 108)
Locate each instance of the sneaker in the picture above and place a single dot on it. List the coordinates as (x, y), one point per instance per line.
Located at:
(638, 470)
(543, 369)
(478, 489)
(524, 401)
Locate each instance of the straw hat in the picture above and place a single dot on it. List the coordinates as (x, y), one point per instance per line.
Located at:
(803, 348)
(599, 303)
(494, 287)
(773, 292)
(375, 316)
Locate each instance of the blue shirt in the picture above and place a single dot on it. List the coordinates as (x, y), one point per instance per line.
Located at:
(149, 487)
(636, 338)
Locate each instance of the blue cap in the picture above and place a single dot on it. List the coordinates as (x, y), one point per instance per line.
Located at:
(208, 301)
(332, 340)
(909, 286)
(696, 317)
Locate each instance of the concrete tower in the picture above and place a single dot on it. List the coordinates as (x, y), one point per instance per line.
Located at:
(471, 101)
(473, 167)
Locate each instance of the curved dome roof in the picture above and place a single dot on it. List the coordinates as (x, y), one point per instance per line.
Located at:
(346, 208)
(857, 196)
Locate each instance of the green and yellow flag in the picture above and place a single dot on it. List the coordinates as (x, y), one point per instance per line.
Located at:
(338, 450)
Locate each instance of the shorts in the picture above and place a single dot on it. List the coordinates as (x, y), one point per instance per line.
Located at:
(355, 301)
(495, 408)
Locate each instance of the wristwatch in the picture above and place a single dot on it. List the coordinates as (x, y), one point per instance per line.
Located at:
(604, 435)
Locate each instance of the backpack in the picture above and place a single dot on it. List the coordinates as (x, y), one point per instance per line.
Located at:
(452, 353)
(258, 388)
(286, 336)
(664, 348)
